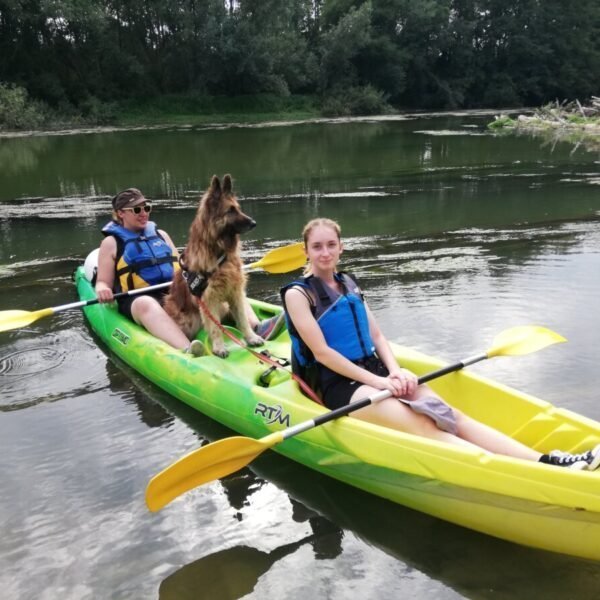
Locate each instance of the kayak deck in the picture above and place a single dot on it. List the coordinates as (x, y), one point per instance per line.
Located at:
(524, 502)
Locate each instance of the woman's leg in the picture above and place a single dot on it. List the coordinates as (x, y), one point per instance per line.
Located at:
(481, 435)
(397, 415)
(147, 311)
(471, 433)
(491, 439)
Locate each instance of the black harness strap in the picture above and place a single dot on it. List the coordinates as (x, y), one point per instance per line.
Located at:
(198, 280)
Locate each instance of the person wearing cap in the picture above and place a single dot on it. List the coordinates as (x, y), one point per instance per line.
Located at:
(136, 254)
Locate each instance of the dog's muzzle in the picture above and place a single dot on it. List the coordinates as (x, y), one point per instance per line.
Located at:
(245, 226)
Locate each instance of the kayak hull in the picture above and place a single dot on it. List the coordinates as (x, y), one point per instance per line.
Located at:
(520, 501)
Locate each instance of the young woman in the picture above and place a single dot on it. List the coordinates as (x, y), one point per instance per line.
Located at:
(336, 337)
(136, 254)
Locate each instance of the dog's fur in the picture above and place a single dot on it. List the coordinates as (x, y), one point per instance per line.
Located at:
(215, 231)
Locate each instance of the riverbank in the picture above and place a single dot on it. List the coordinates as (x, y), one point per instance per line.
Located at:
(232, 120)
(569, 122)
(21, 115)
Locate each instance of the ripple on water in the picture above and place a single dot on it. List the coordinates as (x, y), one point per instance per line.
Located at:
(42, 369)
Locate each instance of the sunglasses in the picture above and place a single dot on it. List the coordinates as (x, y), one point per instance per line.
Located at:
(138, 209)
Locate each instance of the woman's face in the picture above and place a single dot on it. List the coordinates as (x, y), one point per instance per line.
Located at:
(323, 248)
(133, 221)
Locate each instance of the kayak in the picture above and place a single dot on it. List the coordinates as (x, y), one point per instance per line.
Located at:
(525, 502)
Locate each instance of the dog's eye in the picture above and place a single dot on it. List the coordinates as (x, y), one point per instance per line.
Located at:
(232, 210)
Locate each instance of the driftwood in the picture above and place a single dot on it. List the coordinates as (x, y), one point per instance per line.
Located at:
(566, 121)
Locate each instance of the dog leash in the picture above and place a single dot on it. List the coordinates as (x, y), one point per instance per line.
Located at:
(259, 355)
(198, 282)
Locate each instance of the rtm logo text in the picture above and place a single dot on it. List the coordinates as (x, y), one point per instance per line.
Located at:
(272, 414)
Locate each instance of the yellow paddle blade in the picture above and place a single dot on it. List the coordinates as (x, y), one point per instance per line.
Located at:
(523, 340)
(282, 260)
(13, 319)
(203, 465)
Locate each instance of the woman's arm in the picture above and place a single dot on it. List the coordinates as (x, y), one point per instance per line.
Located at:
(298, 309)
(105, 277)
(169, 241)
(382, 347)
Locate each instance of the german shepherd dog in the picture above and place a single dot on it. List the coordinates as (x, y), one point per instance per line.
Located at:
(213, 250)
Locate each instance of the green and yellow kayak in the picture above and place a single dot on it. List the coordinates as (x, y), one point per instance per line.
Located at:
(524, 502)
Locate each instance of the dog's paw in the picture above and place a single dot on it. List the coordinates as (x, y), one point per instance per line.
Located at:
(220, 352)
(254, 340)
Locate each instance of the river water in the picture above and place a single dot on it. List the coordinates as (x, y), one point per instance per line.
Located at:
(456, 234)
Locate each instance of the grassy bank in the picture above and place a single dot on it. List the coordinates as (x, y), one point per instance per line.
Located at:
(20, 112)
(197, 110)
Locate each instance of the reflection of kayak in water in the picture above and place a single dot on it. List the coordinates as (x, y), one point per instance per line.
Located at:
(234, 572)
(224, 575)
(525, 502)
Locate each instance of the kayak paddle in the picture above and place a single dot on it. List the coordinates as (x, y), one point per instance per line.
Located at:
(278, 260)
(228, 455)
(281, 260)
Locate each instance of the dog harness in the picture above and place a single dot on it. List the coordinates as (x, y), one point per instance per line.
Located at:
(143, 259)
(198, 280)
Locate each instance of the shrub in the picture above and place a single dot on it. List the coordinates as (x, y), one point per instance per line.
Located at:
(364, 100)
(18, 111)
(502, 122)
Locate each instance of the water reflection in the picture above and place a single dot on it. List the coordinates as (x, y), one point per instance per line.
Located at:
(233, 572)
(47, 368)
(142, 395)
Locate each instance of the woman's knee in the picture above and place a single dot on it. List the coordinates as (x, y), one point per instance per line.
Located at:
(393, 413)
(145, 306)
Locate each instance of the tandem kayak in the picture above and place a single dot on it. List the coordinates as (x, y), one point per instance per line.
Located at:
(528, 503)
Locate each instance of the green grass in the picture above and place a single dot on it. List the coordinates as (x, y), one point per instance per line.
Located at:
(195, 110)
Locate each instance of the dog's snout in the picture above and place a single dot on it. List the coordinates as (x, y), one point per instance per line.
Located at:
(245, 224)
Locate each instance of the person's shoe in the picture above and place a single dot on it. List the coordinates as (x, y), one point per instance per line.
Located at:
(271, 328)
(196, 348)
(585, 461)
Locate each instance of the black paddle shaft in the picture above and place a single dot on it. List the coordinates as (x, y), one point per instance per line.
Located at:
(151, 288)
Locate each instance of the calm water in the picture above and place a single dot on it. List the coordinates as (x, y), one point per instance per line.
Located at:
(456, 234)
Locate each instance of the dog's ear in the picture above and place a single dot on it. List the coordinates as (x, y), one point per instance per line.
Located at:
(215, 187)
(227, 184)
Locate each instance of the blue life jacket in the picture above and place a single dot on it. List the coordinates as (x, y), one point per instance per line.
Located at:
(143, 258)
(341, 317)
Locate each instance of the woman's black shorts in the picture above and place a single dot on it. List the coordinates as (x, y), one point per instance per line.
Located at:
(337, 390)
(124, 303)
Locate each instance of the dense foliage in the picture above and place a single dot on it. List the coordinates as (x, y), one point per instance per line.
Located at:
(355, 56)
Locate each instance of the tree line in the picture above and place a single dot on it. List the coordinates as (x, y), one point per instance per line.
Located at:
(353, 56)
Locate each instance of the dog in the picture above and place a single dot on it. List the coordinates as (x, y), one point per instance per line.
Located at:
(213, 254)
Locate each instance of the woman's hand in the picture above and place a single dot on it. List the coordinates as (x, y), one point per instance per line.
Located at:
(104, 294)
(400, 382)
